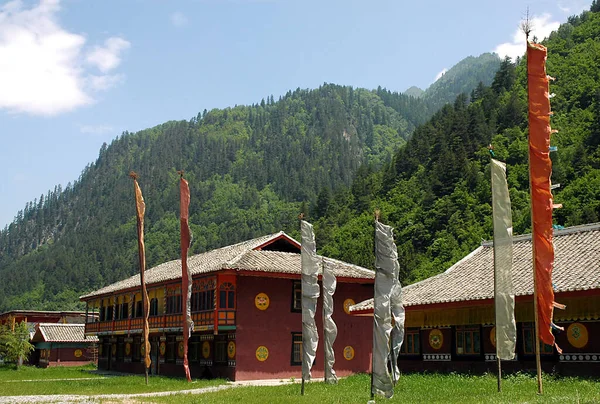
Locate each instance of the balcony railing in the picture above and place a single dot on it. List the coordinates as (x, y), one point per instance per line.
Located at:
(203, 320)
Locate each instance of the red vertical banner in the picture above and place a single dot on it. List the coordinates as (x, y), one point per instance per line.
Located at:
(540, 170)
(186, 284)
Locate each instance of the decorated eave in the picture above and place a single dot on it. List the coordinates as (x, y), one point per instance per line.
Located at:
(576, 272)
(275, 255)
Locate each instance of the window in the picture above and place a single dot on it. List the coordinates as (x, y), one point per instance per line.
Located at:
(139, 309)
(173, 304)
(221, 351)
(194, 352)
(411, 343)
(227, 296)
(203, 301)
(528, 331)
(297, 296)
(120, 349)
(171, 349)
(468, 340)
(296, 348)
(154, 307)
(124, 310)
(109, 313)
(136, 351)
(102, 313)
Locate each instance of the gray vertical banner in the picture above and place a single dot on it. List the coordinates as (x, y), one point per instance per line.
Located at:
(310, 294)
(329, 328)
(506, 330)
(386, 266)
(398, 315)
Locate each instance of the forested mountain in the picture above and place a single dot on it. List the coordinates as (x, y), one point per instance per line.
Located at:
(250, 170)
(335, 153)
(436, 192)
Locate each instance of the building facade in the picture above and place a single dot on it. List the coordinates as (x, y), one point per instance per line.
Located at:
(450, 317)
(246, 308)
(63, 345)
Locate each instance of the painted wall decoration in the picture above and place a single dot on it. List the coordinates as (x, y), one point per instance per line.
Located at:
(78, 353)
(231, 350)
(349, 353)
(180, 349)
(261, 301)
(262, 353)
(436, 338)
(162, 348)
(206, 349)
(113, 349)
(493, 336)
(577, 334)
(347, 304)
(143, 349)
(127, 349)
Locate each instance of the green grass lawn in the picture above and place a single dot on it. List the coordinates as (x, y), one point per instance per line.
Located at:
(30, 380)
(413, 388)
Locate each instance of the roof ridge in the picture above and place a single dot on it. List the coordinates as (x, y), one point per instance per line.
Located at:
(557, 232)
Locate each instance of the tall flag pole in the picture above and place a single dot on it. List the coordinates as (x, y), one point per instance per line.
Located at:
(140, 208)
(310, 294)
(506, 329)
(329, 328)
(540, 169)
(186, 285)
(387, 303)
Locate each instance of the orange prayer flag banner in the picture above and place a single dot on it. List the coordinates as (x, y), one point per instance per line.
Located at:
(186, 286)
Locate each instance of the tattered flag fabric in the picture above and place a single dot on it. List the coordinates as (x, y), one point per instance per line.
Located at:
(329, 328)
(540, 170)
(186, 285)
(140, 207)
(386, 270)
(310, 294)
(506, 329)
(398, 317)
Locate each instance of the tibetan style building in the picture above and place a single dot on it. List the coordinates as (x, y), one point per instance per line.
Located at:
(450, 317)
(63, 345)
(246, 308)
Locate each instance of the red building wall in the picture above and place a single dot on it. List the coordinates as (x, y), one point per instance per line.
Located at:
(274, 326)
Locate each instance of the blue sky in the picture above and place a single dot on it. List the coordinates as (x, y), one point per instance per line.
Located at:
(77, 73)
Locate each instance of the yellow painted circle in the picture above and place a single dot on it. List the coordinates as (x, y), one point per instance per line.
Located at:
(261, 301)
(206, 349)
(231, 350)
(143, 349)
(577, 334)
(262, 353)
(127, 349)
(78, 353)
(113, 349)
(162, 348)
(493, 336)
(347, 304)
(436, 339)
(180, 349)
(349, 353)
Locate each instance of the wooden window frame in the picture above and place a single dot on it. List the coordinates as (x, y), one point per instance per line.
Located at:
(296, 349)
(227, 296)
(461, 333)
(221, 351)
(412, 336)
(529, 329)
(153, 307)
(296, 304)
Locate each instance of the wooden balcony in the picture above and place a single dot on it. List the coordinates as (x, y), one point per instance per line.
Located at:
(203, 321)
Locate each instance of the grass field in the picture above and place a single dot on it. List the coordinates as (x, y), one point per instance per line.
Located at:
(84, 380)
(413, 388)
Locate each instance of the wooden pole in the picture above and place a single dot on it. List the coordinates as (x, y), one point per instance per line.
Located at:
(499, 369)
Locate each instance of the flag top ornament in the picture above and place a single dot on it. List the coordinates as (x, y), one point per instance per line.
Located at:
(310, 294)
(140, 208)
(387, 303)
(186, 285)
(506, 331)
(329, 327)
(540, 170)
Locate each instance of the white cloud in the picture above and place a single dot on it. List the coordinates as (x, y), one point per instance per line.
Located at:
(105, 82)
(541, 27)
(440, 74)
(178, 19)
(96, 129)
(42, 64)
(108, 57)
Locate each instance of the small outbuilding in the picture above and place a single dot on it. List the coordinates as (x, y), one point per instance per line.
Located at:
(63, 345)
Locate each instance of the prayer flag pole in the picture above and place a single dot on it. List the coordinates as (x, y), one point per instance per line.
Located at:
(186, 285)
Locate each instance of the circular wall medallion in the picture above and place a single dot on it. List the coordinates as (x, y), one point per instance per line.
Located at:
(436, 339)
(262, 353)
(231, 350)
(78, 353)
(493, 336)
(347, 304)
(162, 348)
(261, 301)
(180, 349)
(349, 353)
(206, 349)
(577, 334)
(127, 349)
(113, 349)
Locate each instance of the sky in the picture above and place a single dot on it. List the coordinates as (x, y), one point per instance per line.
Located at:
(77, 73)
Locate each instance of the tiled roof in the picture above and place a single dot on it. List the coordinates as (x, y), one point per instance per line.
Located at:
(284, 262)
(54, 332)
(576, 268)
(240, 256)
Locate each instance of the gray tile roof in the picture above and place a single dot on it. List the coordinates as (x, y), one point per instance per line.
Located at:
(576, 268)
(55, 332)
(289, 263)
(239, 256)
